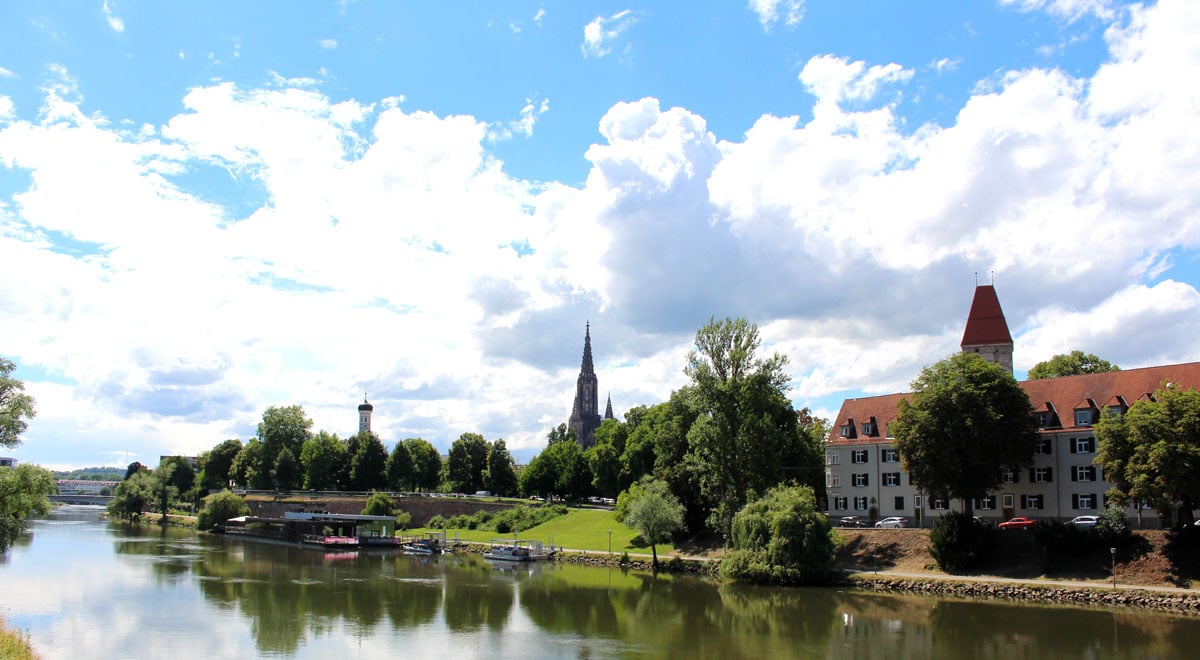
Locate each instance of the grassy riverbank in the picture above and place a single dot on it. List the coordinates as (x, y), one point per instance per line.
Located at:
(580, 529)
(14, 645)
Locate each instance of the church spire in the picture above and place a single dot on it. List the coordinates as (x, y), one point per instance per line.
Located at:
(608, 414)
(585, 416)
(587, 366)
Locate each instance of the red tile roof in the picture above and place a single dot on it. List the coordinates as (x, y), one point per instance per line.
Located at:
(985, 323)
(1050, 394)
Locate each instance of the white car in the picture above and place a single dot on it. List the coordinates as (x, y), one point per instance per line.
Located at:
(894, 522)
(1084, 521)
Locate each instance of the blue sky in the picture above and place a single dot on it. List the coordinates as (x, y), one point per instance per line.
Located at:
(210, 208)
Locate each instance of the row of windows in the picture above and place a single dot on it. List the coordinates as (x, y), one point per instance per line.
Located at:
(1079, 501)
(1045, 446)
(1037, 475)
(1045, 419)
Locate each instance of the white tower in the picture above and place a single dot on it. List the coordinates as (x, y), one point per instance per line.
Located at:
(364, 416)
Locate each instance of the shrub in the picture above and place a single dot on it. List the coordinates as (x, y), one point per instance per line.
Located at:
(403, 519)
(436, 522)
(379, 504)
(219, 508)
(959, 542)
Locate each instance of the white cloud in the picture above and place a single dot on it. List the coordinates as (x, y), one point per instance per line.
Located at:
(1070, 10)
(946, 64)
(5, 73)
(789, 12)
(600, 34)
(386, 249)
(529, 115)
(328, 44)
(114, 22)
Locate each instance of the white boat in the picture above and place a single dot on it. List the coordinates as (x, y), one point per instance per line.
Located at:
(515, 550)
(421, 548)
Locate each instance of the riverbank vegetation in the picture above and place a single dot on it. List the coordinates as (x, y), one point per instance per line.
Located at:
(14, 645)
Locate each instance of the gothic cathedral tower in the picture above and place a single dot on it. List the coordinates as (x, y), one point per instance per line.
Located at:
(585, 413)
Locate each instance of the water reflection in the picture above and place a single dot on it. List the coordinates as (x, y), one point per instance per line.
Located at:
(218, 597)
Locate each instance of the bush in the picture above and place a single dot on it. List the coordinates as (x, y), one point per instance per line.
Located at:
(403, 520)
(436, 522)
(959, 542)
(379, 504)
(219, 508)
(516, 519)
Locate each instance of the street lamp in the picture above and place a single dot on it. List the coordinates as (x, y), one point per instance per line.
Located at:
(1113, 552)
(610, 541)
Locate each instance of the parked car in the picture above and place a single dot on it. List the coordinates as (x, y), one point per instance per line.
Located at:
(895, 522)
(984, 522)
(1084, 521)
(1019, 522)
(852, 521)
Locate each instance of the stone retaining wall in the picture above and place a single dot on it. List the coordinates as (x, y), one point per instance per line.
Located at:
(1053, 595)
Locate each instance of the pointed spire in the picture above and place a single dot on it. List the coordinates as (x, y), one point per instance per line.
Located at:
(587, 366)
(608, 413)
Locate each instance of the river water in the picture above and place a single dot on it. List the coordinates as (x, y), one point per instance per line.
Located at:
(84, 588)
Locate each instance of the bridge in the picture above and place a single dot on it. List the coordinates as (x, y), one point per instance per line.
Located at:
(98, 500)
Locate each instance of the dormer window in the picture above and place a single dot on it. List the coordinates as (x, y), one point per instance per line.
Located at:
(1043, 419)
(1115, 412)
(1083, 417)
(868, 428)
(847, 428)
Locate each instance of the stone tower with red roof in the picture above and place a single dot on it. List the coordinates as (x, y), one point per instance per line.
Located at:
(987, 331)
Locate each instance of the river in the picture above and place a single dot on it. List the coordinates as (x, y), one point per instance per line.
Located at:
(84, 588)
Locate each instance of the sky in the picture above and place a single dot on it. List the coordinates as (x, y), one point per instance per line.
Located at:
(207, 209)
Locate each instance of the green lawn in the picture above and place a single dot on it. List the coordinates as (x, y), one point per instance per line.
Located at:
(580, 529)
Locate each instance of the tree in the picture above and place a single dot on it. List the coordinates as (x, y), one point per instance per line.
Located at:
(427, 463)
(379, 504)
(965, 424)
(133, 494)
(173, 476)
(466, 463)
(324, 461)
(287, 472)
(746, 423)
(281, 427)
(15, 406)
(781, 538)
(1152, 453)
(368, 466)
(605, 466)
(220, 508)
(23, 491)
(656, 515)
(500, 477)
(400, 472)
(214, 473)
(1071, 364)
(133, 469)
(252, 466)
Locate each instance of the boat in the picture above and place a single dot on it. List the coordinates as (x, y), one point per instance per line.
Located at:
(516, 550)
(431, 544)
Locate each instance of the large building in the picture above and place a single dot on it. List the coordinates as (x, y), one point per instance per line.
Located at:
(585, 412)
(862, 468)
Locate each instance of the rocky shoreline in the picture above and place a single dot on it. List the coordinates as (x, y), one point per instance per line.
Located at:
(1184, 604)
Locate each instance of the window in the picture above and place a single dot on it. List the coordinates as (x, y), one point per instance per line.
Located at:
(1043, 419)
(986, 504)
(834, 458)
(841, 503)
(891, 478)
(889, 455)
(1031, 502)
(1043, 446)
(1008, 500)
(835, 480)
(918, 501)
(868, 428)
(1084, 502)
(1083, 417)
(938, 503)
(1042, 475)
(1011, 476)
(860, 504)
(847, 430)
(858, 456)
(1115, 412)
(1083, 473)
(1083, 445)
(899, 502)
(861, 480)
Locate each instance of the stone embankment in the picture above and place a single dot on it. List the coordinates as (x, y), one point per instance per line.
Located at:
(1182, 603)
(671, 564)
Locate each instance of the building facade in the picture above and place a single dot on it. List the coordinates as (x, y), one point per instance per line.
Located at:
(862, 467)
(585, 412)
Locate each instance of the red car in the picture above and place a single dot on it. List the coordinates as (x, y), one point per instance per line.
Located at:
(1018, 523)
